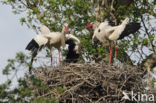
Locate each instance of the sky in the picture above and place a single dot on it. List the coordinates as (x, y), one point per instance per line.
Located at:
(13, 37)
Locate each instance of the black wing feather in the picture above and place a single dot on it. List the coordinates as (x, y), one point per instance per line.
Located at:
(33, 47)
(32, 44)
(130, 29)
(71, 56)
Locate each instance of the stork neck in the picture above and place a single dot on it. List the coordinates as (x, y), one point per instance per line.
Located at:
(63, 30)
(63, 37)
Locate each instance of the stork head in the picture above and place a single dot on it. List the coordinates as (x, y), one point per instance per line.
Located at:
(66, 27)
(65, 24)
(93, 25)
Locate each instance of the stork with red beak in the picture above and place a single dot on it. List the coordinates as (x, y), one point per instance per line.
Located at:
(47, 39)
(113, 33)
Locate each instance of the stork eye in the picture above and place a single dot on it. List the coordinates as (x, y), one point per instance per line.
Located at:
(99, 30)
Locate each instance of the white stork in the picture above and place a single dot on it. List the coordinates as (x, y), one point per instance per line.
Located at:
(48, 39)
(112, 33)
(56, 39)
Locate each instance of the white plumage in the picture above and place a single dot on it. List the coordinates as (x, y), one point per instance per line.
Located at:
(74, 47)
(44, 29)
(48, 39)
(106, 32)
(41, 40)
(111, 33)
(75, 40)
(56, 39)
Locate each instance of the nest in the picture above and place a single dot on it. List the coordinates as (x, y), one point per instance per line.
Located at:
(89, 82)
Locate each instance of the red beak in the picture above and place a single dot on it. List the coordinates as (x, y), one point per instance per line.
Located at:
(89, 26)
(67, 29)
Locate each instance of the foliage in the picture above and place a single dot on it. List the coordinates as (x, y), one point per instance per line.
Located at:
(19, 61)
(79, 13)
(24, 92)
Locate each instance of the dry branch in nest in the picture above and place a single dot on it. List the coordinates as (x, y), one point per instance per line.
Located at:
(89, 82)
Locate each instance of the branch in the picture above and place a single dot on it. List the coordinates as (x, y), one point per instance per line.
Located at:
(149, 62)
(146, 30)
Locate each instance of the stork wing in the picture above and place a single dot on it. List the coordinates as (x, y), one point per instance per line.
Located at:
(56, 37)
(53, 37)
(72, 37)
(44, 29)
(41, 40)
(130, 28)
(32, 44)
(63, 42)
(36, 44)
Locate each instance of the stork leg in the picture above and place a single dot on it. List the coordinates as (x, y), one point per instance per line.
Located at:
(51, 58)
(115, 51)
(110, 54)
(30, 67)
(59, 57)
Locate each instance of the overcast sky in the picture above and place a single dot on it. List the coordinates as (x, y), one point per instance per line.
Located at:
(13, 36)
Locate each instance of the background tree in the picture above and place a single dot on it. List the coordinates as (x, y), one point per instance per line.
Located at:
(79, 13)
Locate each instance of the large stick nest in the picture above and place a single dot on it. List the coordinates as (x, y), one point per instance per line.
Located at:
(89, 82)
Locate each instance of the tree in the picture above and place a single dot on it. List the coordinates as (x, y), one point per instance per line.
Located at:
(79, 13)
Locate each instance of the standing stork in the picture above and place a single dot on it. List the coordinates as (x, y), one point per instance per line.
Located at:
(47, 39)
(56, 39)
(73, 48)
(113, 33)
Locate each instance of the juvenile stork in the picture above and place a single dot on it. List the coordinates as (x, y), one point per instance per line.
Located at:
(73, 48)
(112, 33)
(47, 39)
